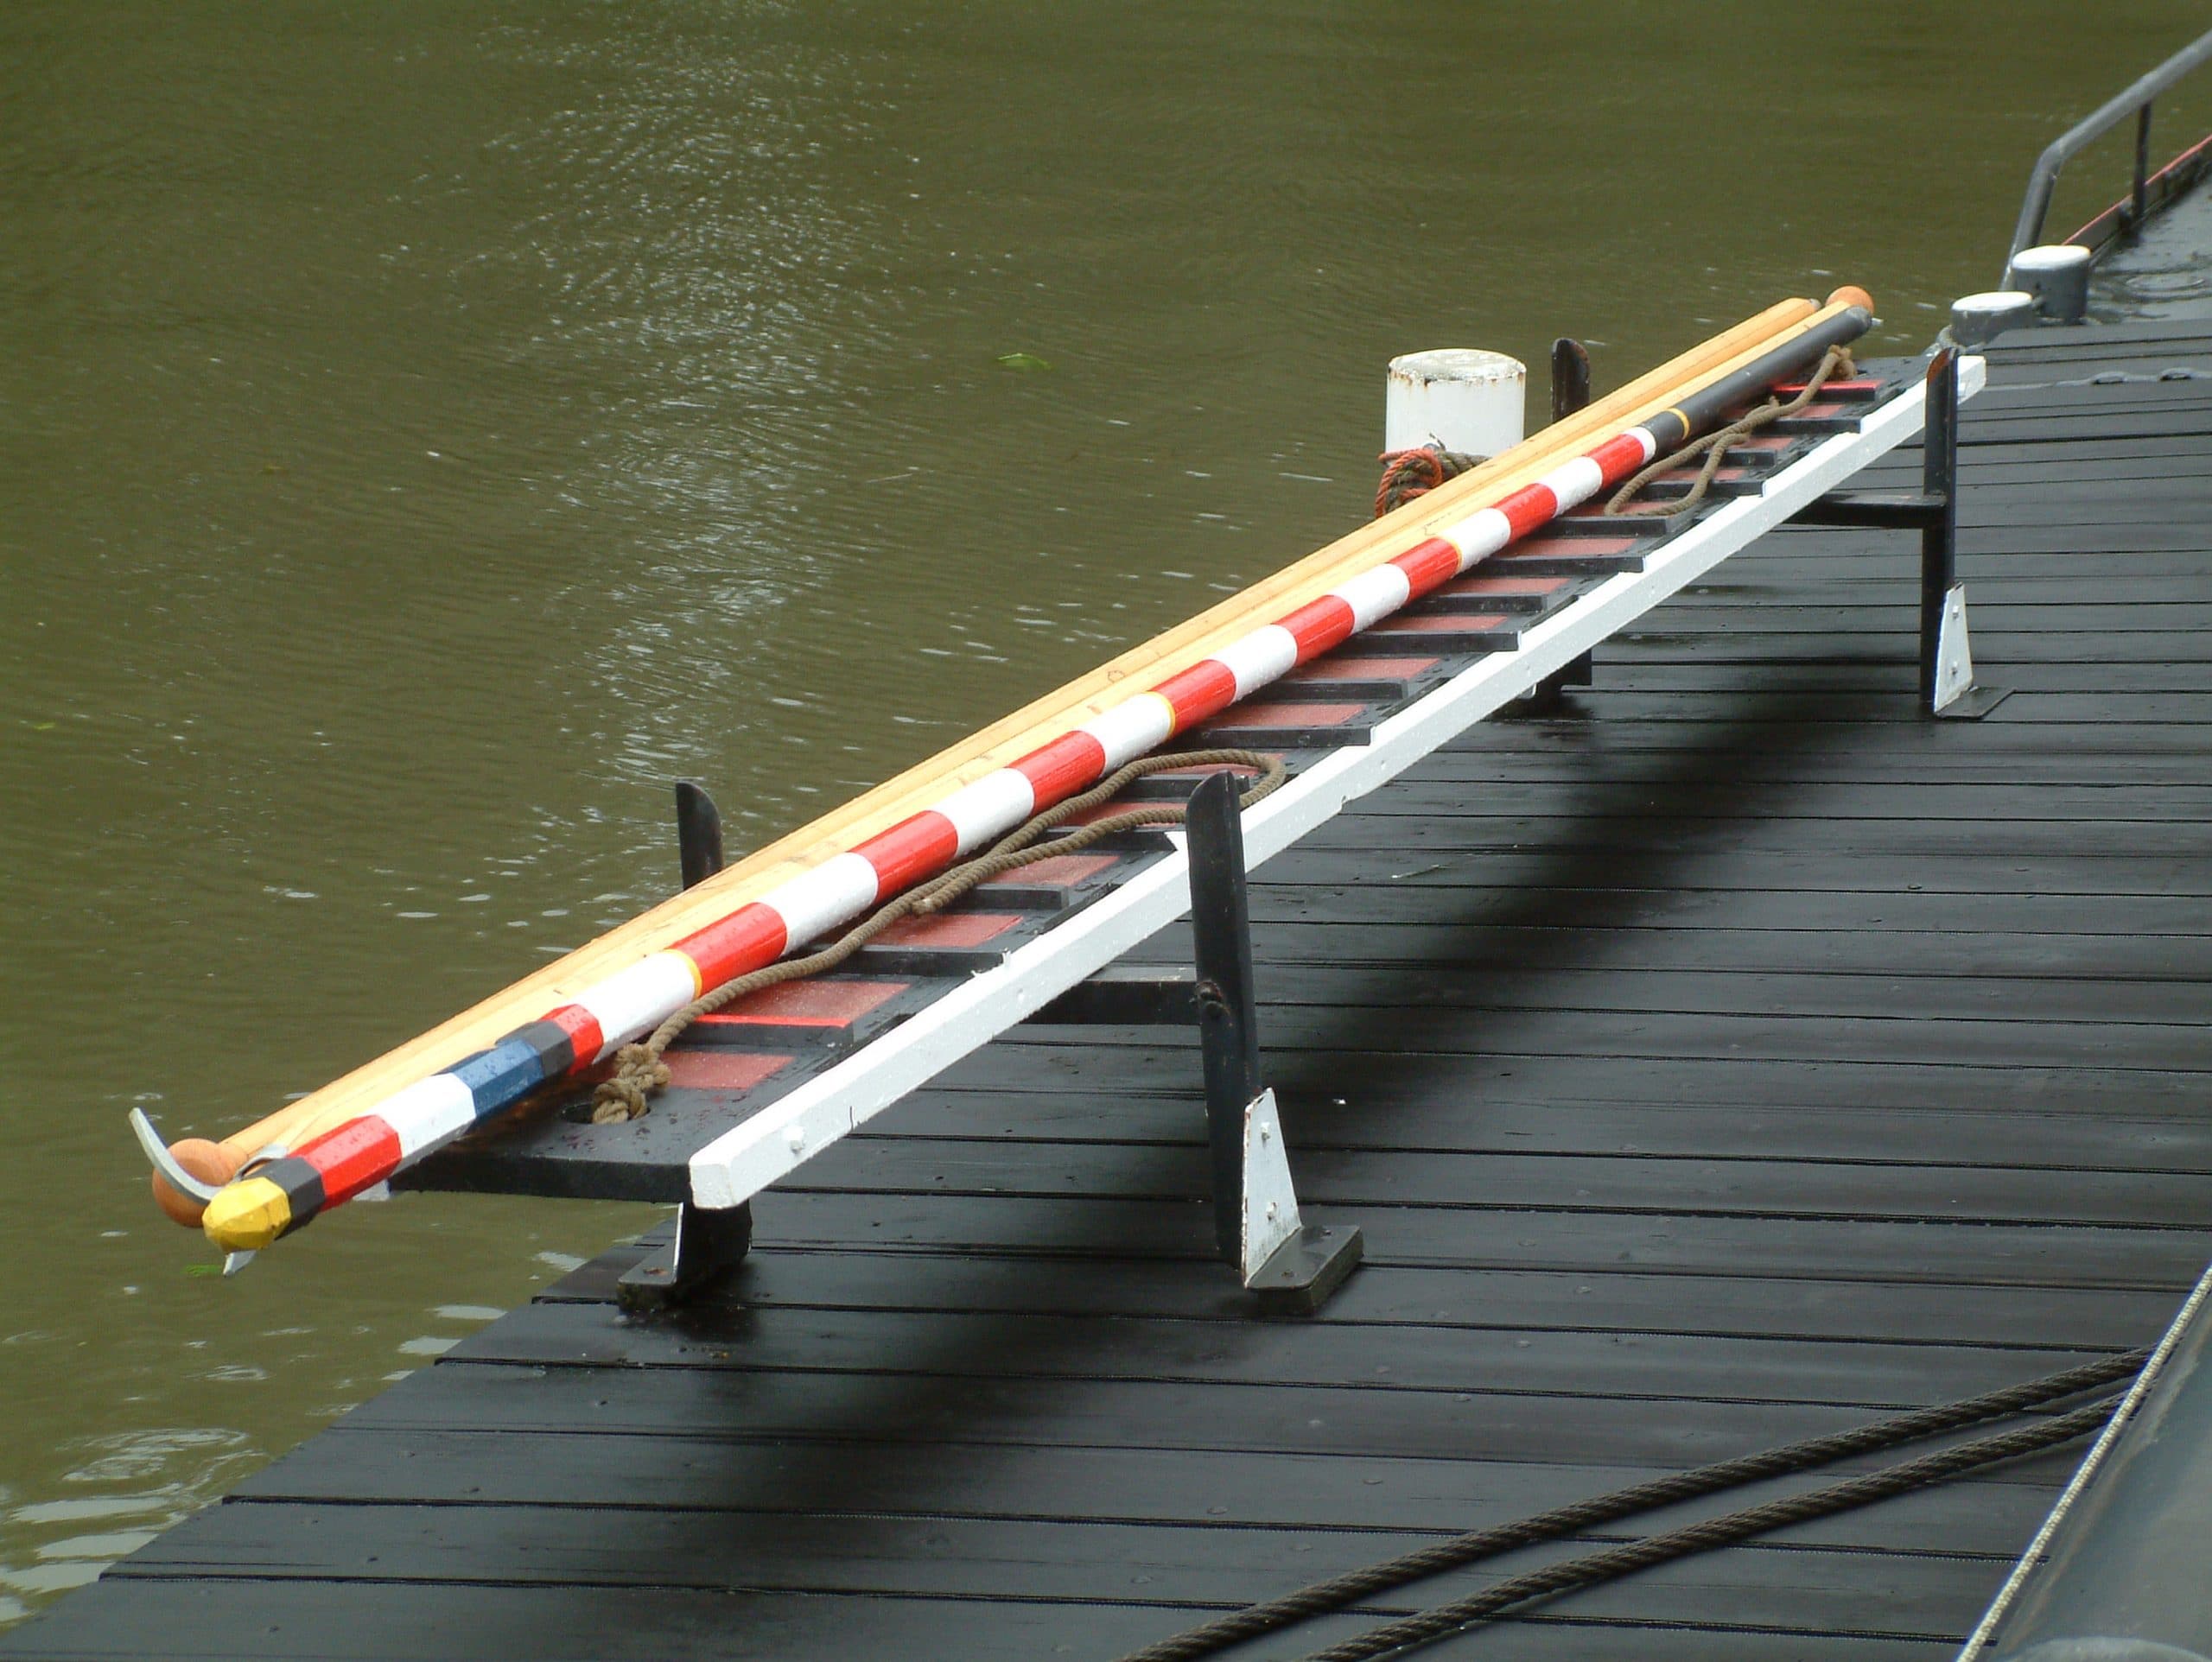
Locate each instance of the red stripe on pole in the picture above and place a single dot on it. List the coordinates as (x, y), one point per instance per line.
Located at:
(1428, 565)
(1060, 769)
(584, 1037)
(751, 935)
(910, 851)
(1319, 625)
(1203, 689)
(1618, 457)
(352, 1157)
(1528, 507)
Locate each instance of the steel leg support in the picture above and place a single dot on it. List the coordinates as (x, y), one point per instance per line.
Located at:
(707, 1245)
(1947, 683)
(1291, 1267)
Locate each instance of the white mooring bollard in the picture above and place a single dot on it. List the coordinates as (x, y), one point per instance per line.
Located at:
(1458, 396)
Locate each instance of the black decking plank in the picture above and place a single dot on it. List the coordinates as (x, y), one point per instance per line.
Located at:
(1778, 1588)
(1539, 1119)
(713, 1472)
(1995, 839)
(1387, 1358)
(1376, 1081)
(2084, 1042)
(1584, 900)
(1438, 983)
(2189, 711)
(1438, 788)
(1586, 1301)
(212, 1620)
(1367, 1180)
(1812, 665)
(1573, 735)
(975, 1411)
(1906, 876)
(2026, 1256)
(1723, 765)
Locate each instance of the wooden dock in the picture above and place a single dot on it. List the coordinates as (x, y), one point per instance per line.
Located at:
(1727, 1056)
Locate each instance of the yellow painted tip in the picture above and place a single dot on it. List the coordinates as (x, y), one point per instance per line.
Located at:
(243, 1217)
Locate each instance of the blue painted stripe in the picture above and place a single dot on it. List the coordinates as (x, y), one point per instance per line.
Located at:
(501, 1077)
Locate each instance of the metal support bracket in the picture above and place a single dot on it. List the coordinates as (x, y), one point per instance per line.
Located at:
(1290, 1266)
(1948, 690)
(706, 1246)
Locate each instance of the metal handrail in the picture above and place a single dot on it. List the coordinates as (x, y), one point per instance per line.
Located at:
(2135, 101)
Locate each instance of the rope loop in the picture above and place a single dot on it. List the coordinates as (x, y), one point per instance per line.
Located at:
(638, 1069)
(1716, 445)
(1416, 473)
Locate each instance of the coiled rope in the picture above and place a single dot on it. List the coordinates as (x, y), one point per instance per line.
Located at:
(1339, 1592)
(638, 1069)
(1416, 473)
(1714, 446)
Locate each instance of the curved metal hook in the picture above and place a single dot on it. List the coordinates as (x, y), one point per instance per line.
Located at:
(260, 1157)
(165, 1162)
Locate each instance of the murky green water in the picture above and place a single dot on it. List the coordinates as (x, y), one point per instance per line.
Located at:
(427, 430)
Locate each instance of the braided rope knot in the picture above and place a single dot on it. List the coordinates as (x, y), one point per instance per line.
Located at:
(639, 1071)
(1416, 473)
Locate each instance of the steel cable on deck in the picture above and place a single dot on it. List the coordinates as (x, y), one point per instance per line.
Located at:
(638, 1069)
(1338, 1592)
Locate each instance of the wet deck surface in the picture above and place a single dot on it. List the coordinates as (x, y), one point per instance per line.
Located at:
(1730, 1057)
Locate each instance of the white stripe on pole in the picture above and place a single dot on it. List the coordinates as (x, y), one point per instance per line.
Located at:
(427, 1112)
(823, 899)
(990, 808)
(646, 994)
(1375, 594)
(1266, 654)
(1132, 727)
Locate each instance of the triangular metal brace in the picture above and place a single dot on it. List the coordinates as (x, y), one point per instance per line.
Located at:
(1954, 652)
(1270, 1209)
(1957, 698)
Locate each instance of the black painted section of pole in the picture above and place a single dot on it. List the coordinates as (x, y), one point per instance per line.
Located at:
(1228, 1031)
(1939, 534)
(1570, 376)
(1710, 406)
(698, 833)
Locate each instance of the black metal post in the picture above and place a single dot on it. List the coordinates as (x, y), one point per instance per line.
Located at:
(2139, 195)
(708, 1245)
(1570, 376)
(1570, 393)
(1229, 1029)
(698, 833)
(1939, 533)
